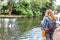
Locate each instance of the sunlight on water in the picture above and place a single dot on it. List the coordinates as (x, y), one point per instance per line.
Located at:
(34, 34)
(20, 29)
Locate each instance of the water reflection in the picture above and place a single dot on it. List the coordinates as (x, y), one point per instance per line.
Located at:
(20, 28)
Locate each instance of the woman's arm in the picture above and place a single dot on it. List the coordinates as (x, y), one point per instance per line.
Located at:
(45, 22)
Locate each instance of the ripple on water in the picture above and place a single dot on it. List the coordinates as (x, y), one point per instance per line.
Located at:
(34, 34)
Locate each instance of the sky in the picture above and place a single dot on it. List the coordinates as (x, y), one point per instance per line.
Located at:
(57, 2)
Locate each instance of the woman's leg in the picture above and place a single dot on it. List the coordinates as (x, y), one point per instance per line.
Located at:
(50, 36)
(47, 36)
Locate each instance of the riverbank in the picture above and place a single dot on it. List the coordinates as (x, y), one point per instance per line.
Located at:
(12, 16)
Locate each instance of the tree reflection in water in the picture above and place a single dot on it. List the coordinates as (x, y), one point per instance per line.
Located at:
(16, 28)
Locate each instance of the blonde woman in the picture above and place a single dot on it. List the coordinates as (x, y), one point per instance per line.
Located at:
(49, 24)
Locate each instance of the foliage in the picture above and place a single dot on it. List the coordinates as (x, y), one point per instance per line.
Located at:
(58, 8)
(29, 7)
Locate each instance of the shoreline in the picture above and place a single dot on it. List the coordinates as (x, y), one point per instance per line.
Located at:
(14, 16)
(11, 16)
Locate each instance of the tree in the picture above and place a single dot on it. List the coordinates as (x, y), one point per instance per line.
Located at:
(28, 7)
(10, 5)
(4, 8)
(48, 5)
(58, 8)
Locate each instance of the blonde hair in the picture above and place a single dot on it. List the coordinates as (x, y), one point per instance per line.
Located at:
(50, 12)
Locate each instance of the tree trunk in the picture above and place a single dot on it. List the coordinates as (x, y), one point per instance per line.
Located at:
(10, 12)
(10, 6)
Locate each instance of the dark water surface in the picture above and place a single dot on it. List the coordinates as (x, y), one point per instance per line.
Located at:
(20, 28)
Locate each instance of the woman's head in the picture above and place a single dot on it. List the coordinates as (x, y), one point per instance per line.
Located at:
(50, 13)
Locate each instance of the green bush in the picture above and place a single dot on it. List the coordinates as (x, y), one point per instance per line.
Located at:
(29, 7)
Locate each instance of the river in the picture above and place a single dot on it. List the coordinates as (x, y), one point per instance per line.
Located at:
(20, 28)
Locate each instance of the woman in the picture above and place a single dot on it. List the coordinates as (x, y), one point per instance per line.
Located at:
(56, 35)
(49, 24)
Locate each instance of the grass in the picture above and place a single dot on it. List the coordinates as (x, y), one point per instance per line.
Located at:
(12, 16)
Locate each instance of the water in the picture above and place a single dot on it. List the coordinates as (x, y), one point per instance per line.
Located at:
(20, 29)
